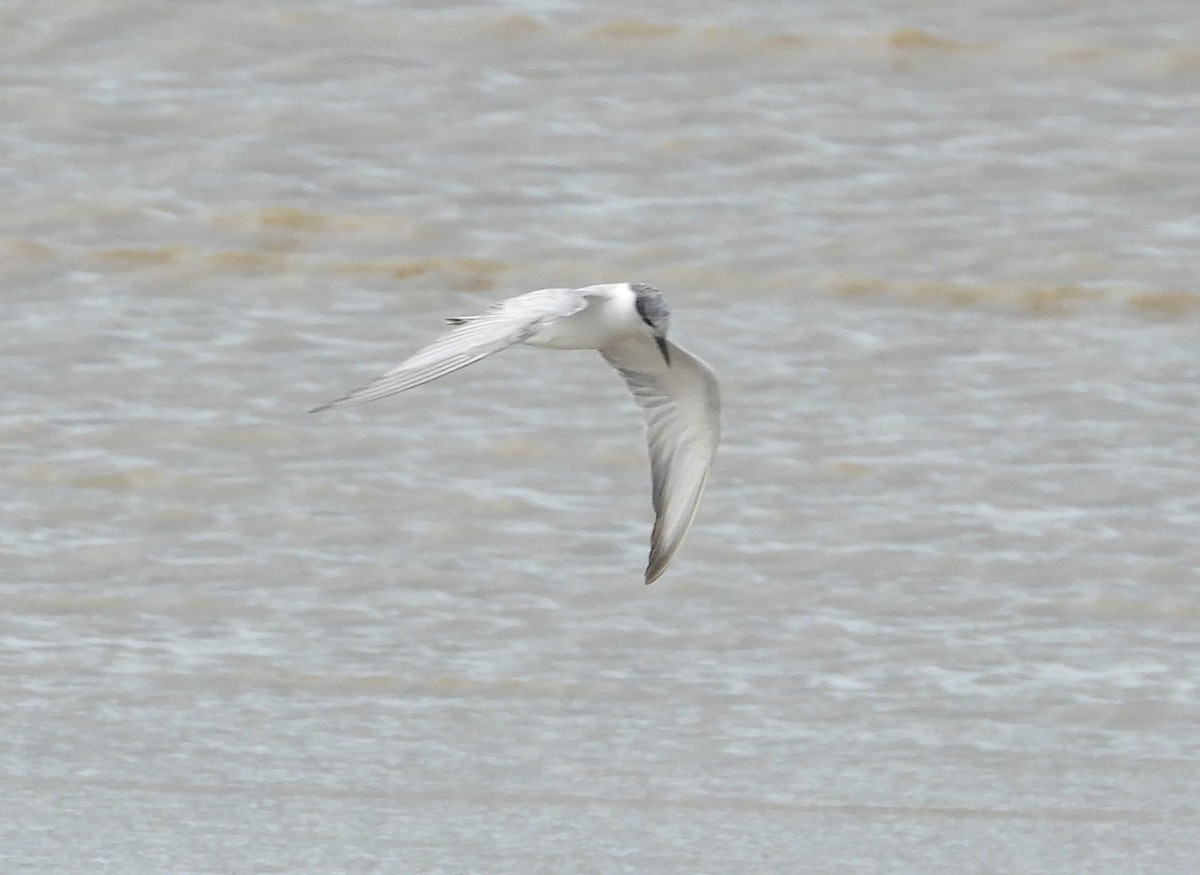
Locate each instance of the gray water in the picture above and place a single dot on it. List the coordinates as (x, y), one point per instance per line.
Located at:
(938, 612)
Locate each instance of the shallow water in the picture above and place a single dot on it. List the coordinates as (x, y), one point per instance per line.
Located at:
(938, 610)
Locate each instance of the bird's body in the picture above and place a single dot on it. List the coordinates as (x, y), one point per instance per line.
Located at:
(627, 323)
(604, 320)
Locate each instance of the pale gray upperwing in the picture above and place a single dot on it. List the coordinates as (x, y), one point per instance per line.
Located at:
(683, 426)
(503, 324)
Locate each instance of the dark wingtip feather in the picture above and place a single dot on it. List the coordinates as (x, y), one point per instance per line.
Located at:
(328, 404)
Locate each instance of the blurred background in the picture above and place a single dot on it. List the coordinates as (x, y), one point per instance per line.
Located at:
(938, 611)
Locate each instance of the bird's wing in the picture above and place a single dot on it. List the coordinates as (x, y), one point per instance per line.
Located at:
(683, 425)
(499, 327)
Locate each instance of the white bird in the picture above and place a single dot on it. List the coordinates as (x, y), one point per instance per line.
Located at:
(627, 323)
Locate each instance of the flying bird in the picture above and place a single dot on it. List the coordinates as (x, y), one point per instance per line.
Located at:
(627, 323)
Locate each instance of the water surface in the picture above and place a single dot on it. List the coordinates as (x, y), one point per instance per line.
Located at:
(938, 610)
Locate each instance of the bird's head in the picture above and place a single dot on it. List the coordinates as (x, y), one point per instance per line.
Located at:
(652, 307)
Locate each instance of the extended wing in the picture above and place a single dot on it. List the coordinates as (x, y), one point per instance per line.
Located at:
(683, 426)
(499, 327)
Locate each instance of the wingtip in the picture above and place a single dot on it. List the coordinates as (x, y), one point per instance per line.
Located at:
(326, 405)
(334, 402)
(340, 401)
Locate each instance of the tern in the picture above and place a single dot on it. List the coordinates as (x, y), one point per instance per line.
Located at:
(627, 323)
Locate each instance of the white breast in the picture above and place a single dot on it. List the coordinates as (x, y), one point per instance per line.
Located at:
(609, 316)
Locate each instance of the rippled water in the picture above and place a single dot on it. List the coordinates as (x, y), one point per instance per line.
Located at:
(938, 612)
